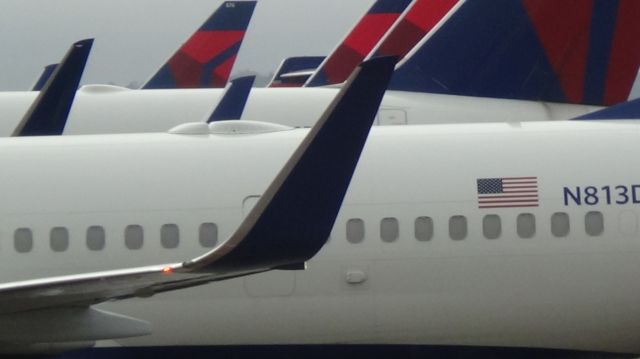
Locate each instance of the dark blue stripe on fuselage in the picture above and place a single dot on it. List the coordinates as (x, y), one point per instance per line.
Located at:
(232, 15)
(325, 352)
(488, 48)
(600, 42)
(389, 6)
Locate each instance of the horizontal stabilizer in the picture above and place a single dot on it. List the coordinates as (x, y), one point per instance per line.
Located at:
(48, 114)
(290, 222)
(295, 71)
(208, 56)
(233, 101)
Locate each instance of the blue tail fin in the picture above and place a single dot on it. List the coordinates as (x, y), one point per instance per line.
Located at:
(46, 73)
(572, 51)
(48, 114)
(233, 100)
(206, 59)
(295, 71)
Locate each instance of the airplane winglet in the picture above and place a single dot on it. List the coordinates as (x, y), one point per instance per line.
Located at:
(625, 111)
(49, 112)
(288, 225)
(298, 210)
(44, 76)
(233, 100)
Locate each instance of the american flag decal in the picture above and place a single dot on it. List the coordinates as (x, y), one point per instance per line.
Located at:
(507, 192)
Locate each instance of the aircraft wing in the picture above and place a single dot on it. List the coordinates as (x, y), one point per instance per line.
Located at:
(318, 172)
(91, 288)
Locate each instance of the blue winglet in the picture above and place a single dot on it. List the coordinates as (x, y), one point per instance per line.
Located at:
(295, 215)
(48, 114)
(625, 111)
(46, 74)
(233, 100)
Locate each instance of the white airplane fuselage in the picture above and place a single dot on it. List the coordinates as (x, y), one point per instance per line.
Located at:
(578, 290)
(99, 109)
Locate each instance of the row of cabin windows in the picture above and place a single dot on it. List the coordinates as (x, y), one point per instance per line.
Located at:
(491, 227)
(96, 237)
(389, 231)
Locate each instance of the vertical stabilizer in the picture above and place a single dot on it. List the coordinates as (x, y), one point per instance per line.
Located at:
(206, 59)
(359, 42)
(420, 19)
(570, 51)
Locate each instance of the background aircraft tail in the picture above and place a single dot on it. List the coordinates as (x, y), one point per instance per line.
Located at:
(572, 51)
(422, 17)
(359, 42)
(206, 59)
(295, 71)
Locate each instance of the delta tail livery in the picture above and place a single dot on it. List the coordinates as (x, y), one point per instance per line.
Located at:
(421, 18)
(108, 109)
(207, 58)
(358, 43)
(575, 51)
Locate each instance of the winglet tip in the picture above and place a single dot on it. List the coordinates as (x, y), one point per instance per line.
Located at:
(84, 42)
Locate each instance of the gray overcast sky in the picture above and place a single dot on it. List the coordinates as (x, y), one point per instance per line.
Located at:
(134, 37)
